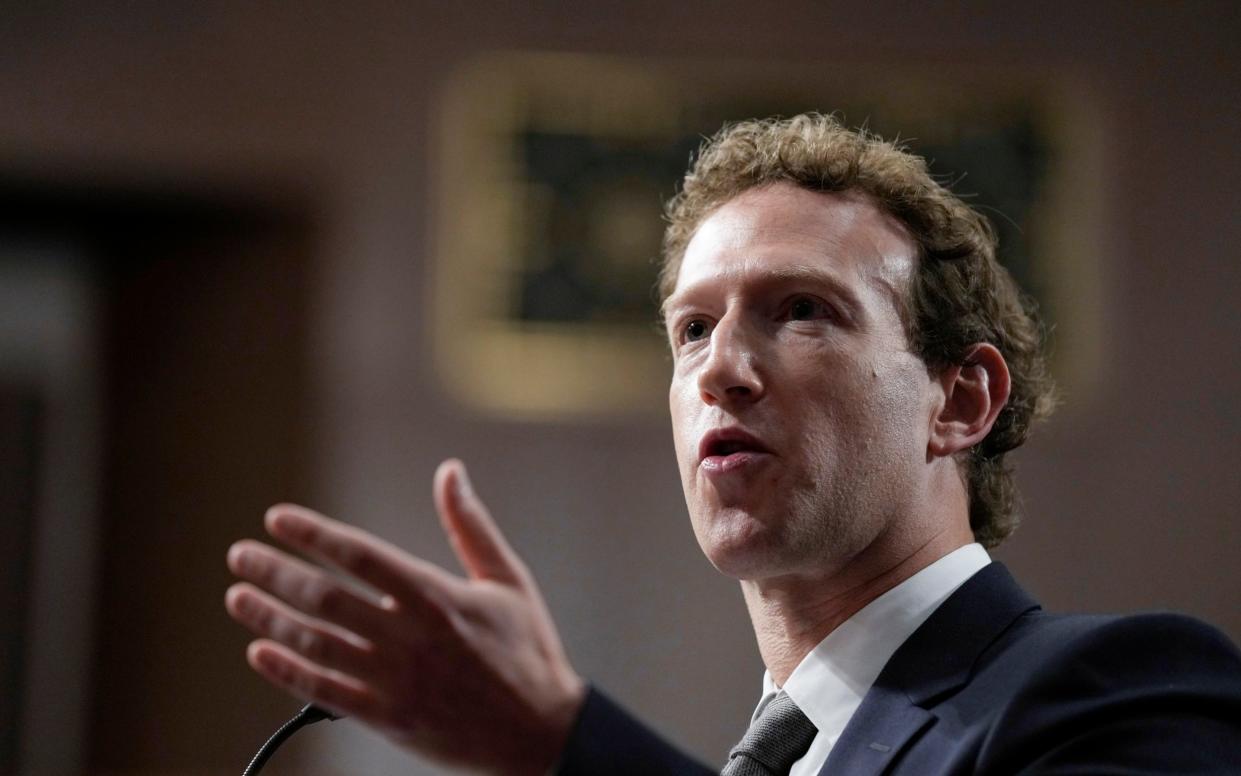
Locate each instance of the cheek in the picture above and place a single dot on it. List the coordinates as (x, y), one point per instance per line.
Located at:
(900, 406)
(680, 410)
(856, 408)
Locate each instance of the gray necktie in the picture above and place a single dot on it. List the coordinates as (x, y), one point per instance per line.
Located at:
(776, 740)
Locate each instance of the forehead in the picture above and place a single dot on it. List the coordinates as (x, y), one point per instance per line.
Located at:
(781, 228)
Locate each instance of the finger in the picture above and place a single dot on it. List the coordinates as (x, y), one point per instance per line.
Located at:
(368, 558)
(474, 535)
(307, 588)
(338, 693)
(266, 616)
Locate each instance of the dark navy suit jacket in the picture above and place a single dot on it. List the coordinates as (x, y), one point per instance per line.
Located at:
(990, 684)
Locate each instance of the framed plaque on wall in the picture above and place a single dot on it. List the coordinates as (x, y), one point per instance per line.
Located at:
(555, 167)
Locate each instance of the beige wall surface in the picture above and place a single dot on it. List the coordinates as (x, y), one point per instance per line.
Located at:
(1131, 492)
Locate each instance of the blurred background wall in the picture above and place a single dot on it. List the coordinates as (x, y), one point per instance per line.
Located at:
(215, 270)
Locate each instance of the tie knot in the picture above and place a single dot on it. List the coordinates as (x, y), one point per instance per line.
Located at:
(776, 740)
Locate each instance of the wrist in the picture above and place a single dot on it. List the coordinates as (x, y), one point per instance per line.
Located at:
(559, 717)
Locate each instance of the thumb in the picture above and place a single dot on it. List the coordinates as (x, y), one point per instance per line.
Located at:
(474, 535)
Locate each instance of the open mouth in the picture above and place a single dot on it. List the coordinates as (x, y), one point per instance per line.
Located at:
(728, 447)
(728, 443)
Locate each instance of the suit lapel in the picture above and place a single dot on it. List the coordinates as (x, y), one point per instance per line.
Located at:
(878, 731)
(934, 661)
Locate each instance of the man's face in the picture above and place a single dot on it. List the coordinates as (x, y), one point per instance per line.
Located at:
(799, 414)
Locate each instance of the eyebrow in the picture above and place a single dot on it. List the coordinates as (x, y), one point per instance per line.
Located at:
(776, 276)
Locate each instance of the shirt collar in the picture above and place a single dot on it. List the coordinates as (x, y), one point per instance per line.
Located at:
(829, 683)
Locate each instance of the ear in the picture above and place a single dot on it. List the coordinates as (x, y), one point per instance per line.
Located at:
(974, 393)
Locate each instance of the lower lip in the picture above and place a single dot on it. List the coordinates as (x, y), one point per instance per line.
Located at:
(715, 465)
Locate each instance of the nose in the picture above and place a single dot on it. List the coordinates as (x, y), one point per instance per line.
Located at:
(731, 373)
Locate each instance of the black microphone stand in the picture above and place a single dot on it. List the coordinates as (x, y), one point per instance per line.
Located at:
(309, 715)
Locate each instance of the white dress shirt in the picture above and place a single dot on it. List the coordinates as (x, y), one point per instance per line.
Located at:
(829, 683)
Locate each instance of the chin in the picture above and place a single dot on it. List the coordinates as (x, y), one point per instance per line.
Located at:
(736, 567)
(740, 546)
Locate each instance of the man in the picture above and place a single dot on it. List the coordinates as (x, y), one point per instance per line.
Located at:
(850, 368)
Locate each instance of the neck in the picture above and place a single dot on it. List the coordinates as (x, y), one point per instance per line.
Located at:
(791, 614)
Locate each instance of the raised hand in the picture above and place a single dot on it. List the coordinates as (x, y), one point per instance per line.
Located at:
(465, 671)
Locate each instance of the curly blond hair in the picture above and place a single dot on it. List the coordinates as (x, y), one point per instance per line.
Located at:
(959, 294)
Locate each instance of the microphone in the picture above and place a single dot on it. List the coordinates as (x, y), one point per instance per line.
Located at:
(309, 715)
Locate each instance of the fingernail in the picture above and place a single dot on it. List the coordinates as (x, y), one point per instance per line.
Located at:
(236, 558)
(265, 658)
(280, 523)
(464, 489)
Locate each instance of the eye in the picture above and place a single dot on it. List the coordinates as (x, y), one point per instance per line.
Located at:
(806, 308)
(695, 330)
(801, 310)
